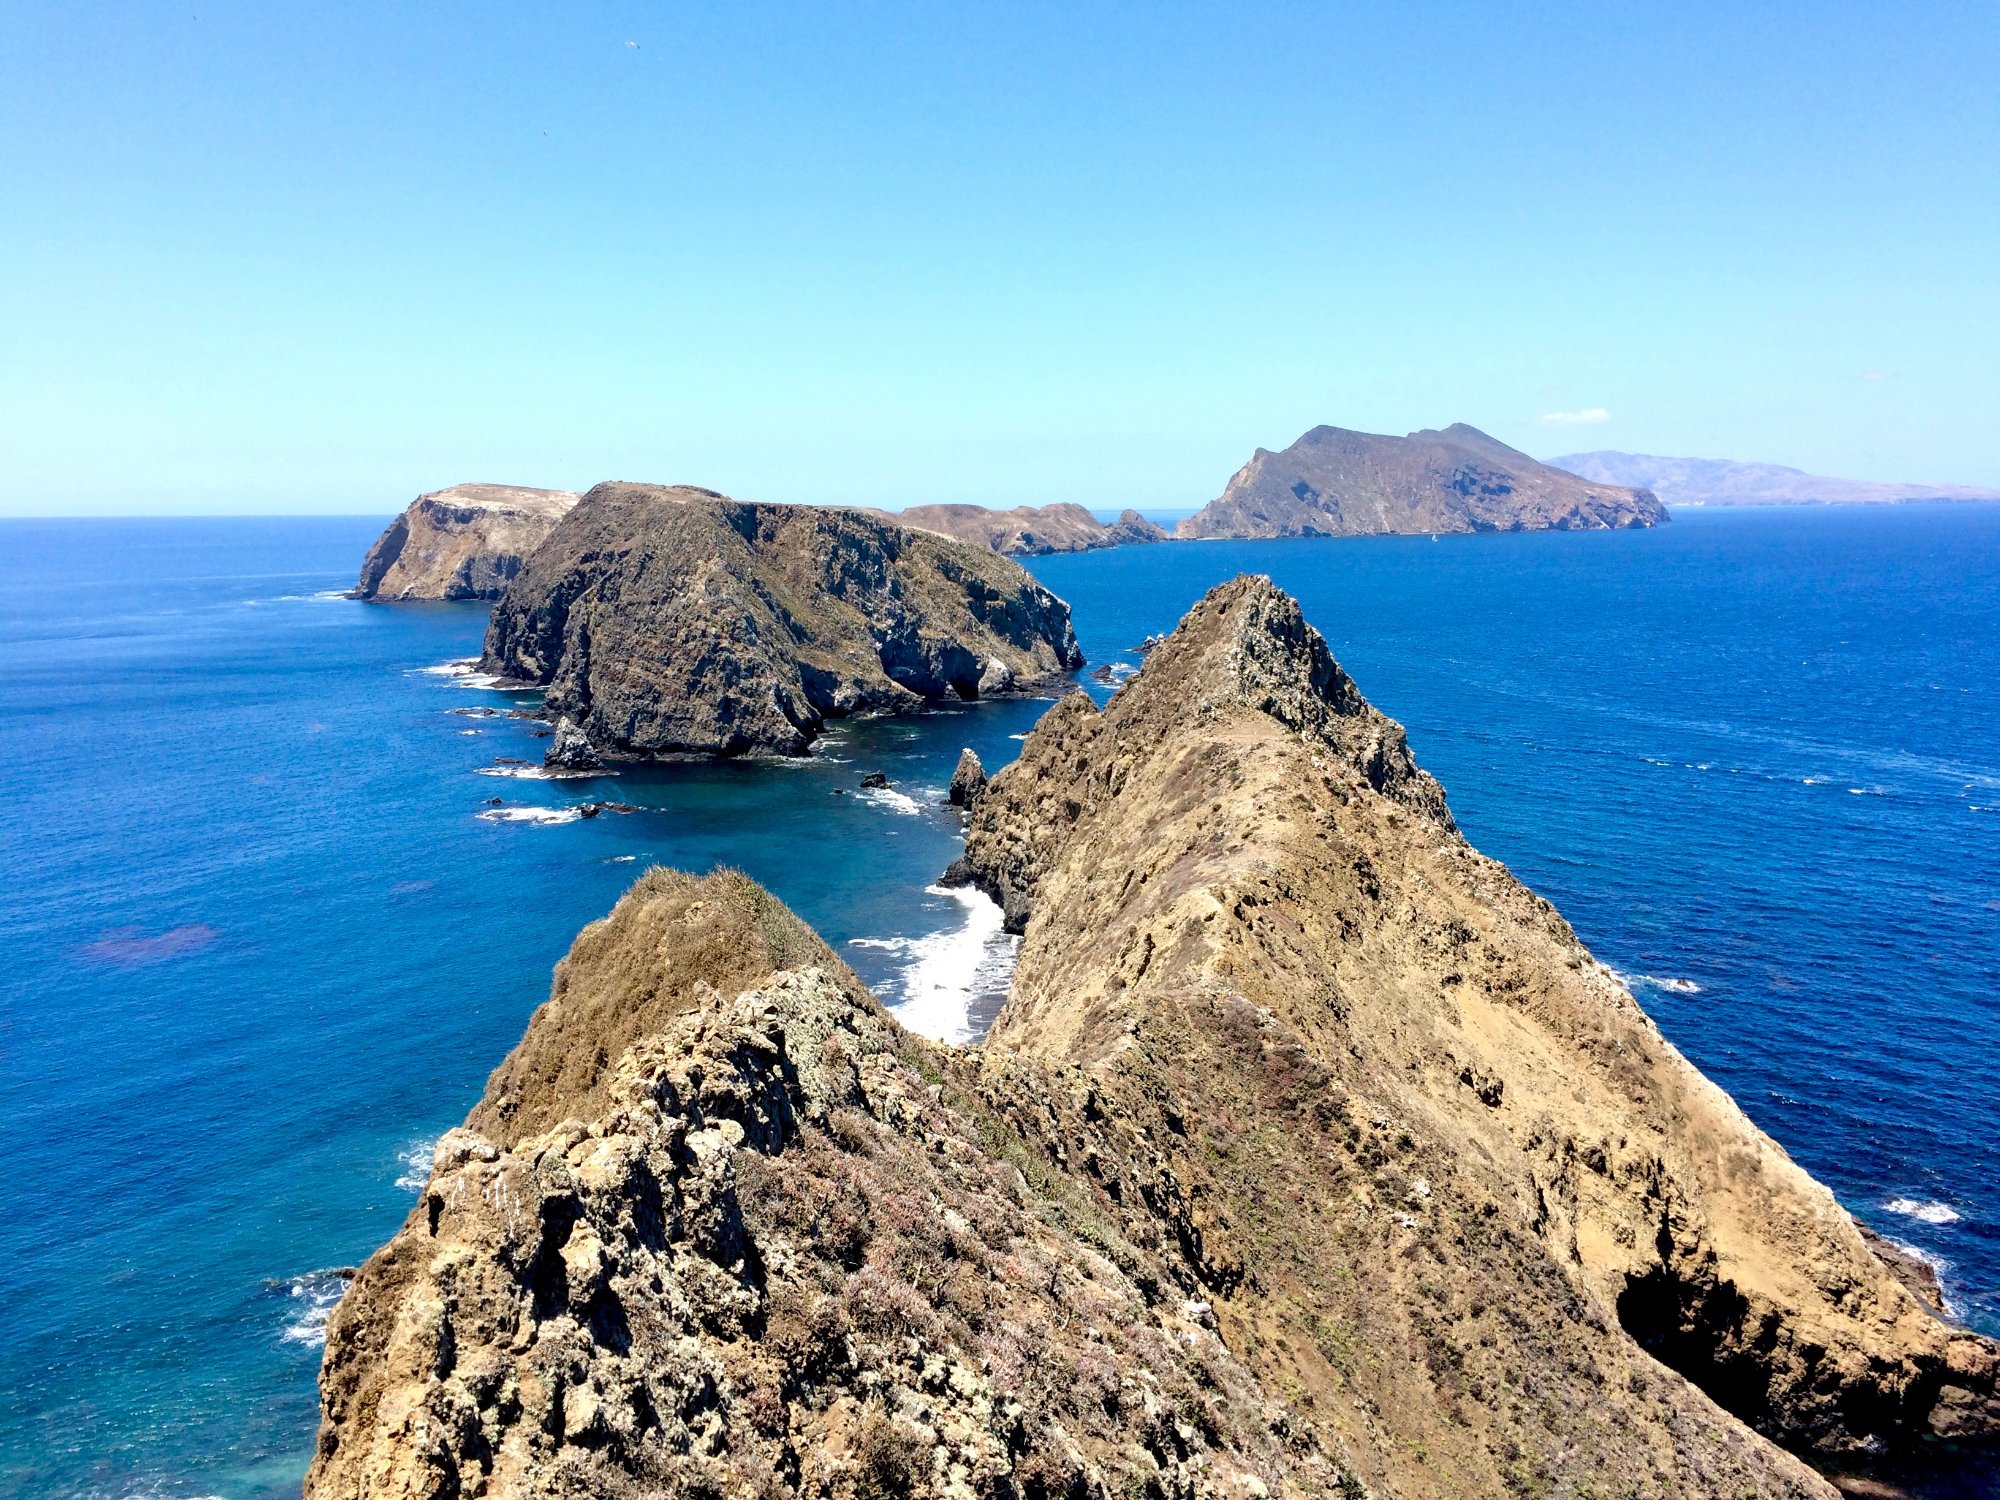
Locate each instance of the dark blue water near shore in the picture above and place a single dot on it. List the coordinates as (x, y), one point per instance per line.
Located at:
(262, 944)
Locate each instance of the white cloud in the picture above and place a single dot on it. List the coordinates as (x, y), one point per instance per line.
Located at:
(1590, 416)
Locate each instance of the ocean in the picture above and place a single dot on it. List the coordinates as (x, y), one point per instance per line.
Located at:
(279, 889)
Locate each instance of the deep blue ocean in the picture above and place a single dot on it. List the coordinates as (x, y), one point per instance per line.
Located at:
(268, 931)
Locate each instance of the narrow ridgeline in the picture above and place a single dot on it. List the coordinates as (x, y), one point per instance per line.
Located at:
(1312, 1154)
(466, 542)
(675, 621)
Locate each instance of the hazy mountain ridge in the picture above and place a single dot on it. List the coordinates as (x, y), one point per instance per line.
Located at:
(1721, 481)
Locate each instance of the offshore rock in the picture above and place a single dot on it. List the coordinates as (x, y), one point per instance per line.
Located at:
(571, 749)
(675, 621)
(1333, 482)
(1310, 1155)
(466, 542)
(968, 779)
(1030, 530)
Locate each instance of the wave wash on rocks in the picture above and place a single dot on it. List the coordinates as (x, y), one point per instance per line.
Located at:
(1311, 1155)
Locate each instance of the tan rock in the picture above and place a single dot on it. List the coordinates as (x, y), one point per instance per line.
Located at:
(466, 542)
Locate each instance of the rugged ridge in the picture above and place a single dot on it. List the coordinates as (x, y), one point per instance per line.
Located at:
(1030, 530)
(466, 542)
(675, 621)
(1333, 482)
(1311, 1154)
(1717, 481)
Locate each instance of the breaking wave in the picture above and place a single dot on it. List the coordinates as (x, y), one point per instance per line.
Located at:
(1927, 1211)
(954, 979)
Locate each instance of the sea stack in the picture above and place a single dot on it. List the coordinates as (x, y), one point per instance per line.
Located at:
(466, 542)
(1310, 1154)
(1333, 482)
(670, 620)
(968, 779)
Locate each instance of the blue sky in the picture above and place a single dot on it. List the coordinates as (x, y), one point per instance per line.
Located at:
(276, 257)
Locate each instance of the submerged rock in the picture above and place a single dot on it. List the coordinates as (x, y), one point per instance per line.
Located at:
(968, 779)
(1311, 1154)
(466, 542)
(673, 621)
(874, 780)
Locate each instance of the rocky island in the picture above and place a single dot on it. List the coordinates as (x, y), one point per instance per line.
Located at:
(1311, 1154)
(1720, 481)
(1333, 482)
(1030, 530)
(670, 620)
(466, 542)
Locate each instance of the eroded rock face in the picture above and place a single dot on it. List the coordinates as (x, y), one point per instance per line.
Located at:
(1311, 1155)
(671, 621)
(1333, 482)
(1031, 530)
(466, 542)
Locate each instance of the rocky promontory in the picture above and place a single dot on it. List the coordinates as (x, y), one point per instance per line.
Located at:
(466, 542)
(1333, 482)
(1311, 1154)
(675, 621)
(1030, 530)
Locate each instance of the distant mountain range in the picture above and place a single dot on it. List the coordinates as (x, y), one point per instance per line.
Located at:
(1334, 482)
(1719, 481)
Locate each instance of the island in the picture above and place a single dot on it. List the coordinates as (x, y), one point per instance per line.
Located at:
(1719, 481)
(1311, 1154)
(1333, 482)
(466, 542)
(1030, 530)
(668, 620)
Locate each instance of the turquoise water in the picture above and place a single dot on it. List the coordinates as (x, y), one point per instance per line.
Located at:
(265, 946)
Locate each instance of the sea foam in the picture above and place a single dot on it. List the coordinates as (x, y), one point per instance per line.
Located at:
(313, 1298)
(1928, 1211)
(540, 817)
(949, 972)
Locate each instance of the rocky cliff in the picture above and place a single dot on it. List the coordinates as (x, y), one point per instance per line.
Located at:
(1333, 482)
(466, 542)
(673, 621)
(1031, 530)
(1311, 1155)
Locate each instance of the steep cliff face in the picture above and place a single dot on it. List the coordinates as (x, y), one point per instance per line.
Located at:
(677, 621)
(1031, 530)
(1310, 1155)
(466, 542)
(1333, 482)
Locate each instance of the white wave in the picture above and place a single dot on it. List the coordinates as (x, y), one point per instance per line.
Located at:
(1940, 1268)
(1928, 1211)
(538, 773)
(1021, 736)
(891, 799)
(472, 731)
(416, 1160)
(933, 994)
(313, 1298)
(621, 859)
(1866, 791)
(465, 673)
(541, 817)
(1657, 982)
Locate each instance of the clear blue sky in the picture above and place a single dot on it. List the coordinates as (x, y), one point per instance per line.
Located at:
(274, 257)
